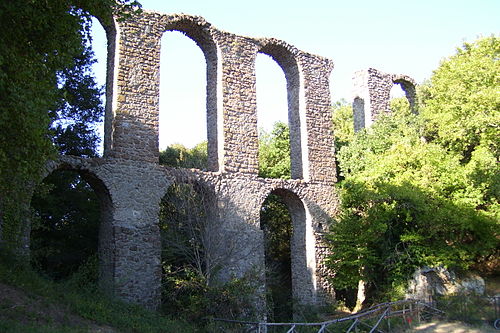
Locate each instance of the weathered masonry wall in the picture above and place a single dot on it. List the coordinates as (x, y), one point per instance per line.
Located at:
(129, 241)
(371, 95)
(231, 97)
(130, 183)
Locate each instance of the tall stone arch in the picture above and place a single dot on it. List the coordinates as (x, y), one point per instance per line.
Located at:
(201, 32)
(106, 241)
(129, 239)
(135, 183)
(286, 57)
(303, 256)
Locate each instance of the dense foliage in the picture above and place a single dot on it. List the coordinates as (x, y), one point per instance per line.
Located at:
(276, 223)
(423, 190)
(274, 152)
(44, 73)
(65, 226)
(178, 156)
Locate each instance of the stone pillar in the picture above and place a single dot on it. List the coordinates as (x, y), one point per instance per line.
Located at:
(239, 116)
(136, 90)
(129, 244)
(318, 119)
(361, 101)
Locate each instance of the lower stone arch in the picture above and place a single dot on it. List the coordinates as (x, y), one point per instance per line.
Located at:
(190, 240)
(105, 248)
(302, 248)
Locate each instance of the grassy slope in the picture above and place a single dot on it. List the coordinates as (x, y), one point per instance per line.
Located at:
(30, 303)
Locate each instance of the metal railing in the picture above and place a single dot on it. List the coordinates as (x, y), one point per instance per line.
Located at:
(371, 319)
(471, 309)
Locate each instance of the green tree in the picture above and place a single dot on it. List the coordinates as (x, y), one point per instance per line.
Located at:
(343, 123)
(43, 44)
(179, 156)
(79, 108)
(416, 194)
(462, 100)
(66, 225)
(274, 152)
(276, 223)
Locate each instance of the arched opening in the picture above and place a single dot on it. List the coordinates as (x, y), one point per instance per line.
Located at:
(78, 123)
(271, 108)
(404, 95)
(182, 91)
(100, 68)
(289, 250)
(188, 96)
(272, 119)
(276, 223)
(70, 233)
(191, 254)
(398, 103)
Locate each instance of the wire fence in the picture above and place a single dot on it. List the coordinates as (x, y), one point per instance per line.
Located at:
(470, 309)
(380, 318)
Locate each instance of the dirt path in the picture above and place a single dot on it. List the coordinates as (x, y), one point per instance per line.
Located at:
(456, 327)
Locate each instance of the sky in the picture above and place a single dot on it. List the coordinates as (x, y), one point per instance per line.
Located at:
(398, 37)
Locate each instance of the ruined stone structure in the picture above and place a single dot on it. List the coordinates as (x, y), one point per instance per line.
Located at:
(371, 95)
(130, 182)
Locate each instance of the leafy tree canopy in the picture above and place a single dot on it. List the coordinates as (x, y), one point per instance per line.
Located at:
(423, 189)
(274, 152)
(44, 74)
(343, 123)
(462, 100)
(179, 156)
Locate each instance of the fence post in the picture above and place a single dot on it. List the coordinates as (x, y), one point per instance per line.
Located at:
(388, 320)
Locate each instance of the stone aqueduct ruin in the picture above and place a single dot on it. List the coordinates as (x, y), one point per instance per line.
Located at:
(130, 183)
(372, 90)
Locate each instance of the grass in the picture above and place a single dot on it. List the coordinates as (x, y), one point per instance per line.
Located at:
(12, 326)
(80, 307)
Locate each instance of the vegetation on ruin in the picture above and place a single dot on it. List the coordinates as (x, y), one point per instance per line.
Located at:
(417, 190)
(47, 94)
(422, 190)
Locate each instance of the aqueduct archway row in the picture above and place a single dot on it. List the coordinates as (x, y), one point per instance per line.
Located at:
(129, 237)
(132, 116)
(131, 183)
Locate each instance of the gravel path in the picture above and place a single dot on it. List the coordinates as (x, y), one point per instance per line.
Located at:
(456, 327)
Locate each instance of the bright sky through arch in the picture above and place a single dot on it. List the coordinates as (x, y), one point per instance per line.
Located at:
(394, 36)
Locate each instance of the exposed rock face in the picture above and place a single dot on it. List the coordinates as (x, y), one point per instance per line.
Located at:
(427, 282)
